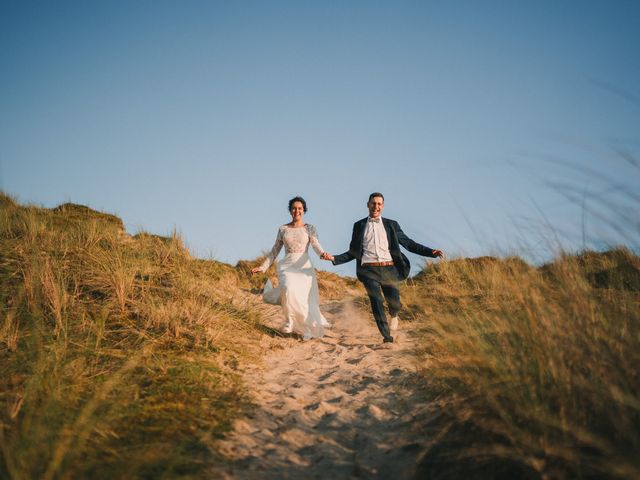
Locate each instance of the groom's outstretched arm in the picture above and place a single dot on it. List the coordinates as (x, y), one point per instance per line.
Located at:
(353, 249)
(342, 258)
(415, 247)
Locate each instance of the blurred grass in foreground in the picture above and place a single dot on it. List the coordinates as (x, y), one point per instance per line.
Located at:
(534, 372)
(117, 353)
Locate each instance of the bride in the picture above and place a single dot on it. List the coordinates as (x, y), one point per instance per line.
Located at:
(297, 290)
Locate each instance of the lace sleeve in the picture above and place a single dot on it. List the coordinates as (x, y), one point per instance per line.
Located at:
(273, 254)
(313, 240)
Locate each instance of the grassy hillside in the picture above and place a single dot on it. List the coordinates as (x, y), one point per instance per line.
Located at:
(534, 372)
(118, 354)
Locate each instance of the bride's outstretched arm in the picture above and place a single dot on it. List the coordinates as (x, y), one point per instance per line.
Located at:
(315, 243)
(272, 255)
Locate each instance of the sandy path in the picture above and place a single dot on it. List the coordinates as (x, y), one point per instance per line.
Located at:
(343, 406)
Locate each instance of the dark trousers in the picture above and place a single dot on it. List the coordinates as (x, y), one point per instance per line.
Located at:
(378, 281)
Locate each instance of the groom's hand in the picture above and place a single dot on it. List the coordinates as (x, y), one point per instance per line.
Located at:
(438, 253)
(327, 256)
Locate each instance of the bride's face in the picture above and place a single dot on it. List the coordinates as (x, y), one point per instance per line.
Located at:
(297, 211)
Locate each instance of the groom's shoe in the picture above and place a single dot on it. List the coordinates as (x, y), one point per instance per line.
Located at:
(388, 340)
(394, 322)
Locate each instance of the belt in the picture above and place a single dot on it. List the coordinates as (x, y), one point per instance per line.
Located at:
(378, 264)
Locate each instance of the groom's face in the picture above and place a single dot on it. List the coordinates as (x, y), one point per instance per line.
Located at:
(375, 206)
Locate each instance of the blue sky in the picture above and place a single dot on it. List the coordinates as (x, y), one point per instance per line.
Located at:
(490, 126)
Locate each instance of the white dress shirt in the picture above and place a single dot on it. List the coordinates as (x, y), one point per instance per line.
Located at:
(375, 245)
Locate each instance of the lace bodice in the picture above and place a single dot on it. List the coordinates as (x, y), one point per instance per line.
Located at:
(295, 240)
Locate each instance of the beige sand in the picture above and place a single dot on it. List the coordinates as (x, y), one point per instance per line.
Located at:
(343, 406)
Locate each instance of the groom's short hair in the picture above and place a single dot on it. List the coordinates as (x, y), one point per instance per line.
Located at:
(375, 194)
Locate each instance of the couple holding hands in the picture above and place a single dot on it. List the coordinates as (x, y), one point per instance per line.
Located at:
(375, 245)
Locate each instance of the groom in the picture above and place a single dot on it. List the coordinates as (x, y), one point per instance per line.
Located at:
(375, 244)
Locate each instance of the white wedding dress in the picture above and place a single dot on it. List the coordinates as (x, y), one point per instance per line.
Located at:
(297, 290)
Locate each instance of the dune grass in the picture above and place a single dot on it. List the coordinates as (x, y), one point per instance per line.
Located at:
(118, 354)
(534, 372)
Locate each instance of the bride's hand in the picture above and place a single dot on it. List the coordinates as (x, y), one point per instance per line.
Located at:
(255, 270)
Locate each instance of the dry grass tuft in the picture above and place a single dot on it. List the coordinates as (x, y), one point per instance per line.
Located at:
(336, 287)
(118, 354)
(536, 370)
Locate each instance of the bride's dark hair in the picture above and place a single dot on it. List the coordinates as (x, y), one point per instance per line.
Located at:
(298, 199)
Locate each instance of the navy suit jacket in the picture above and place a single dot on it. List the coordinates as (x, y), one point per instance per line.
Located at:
(395, 236)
